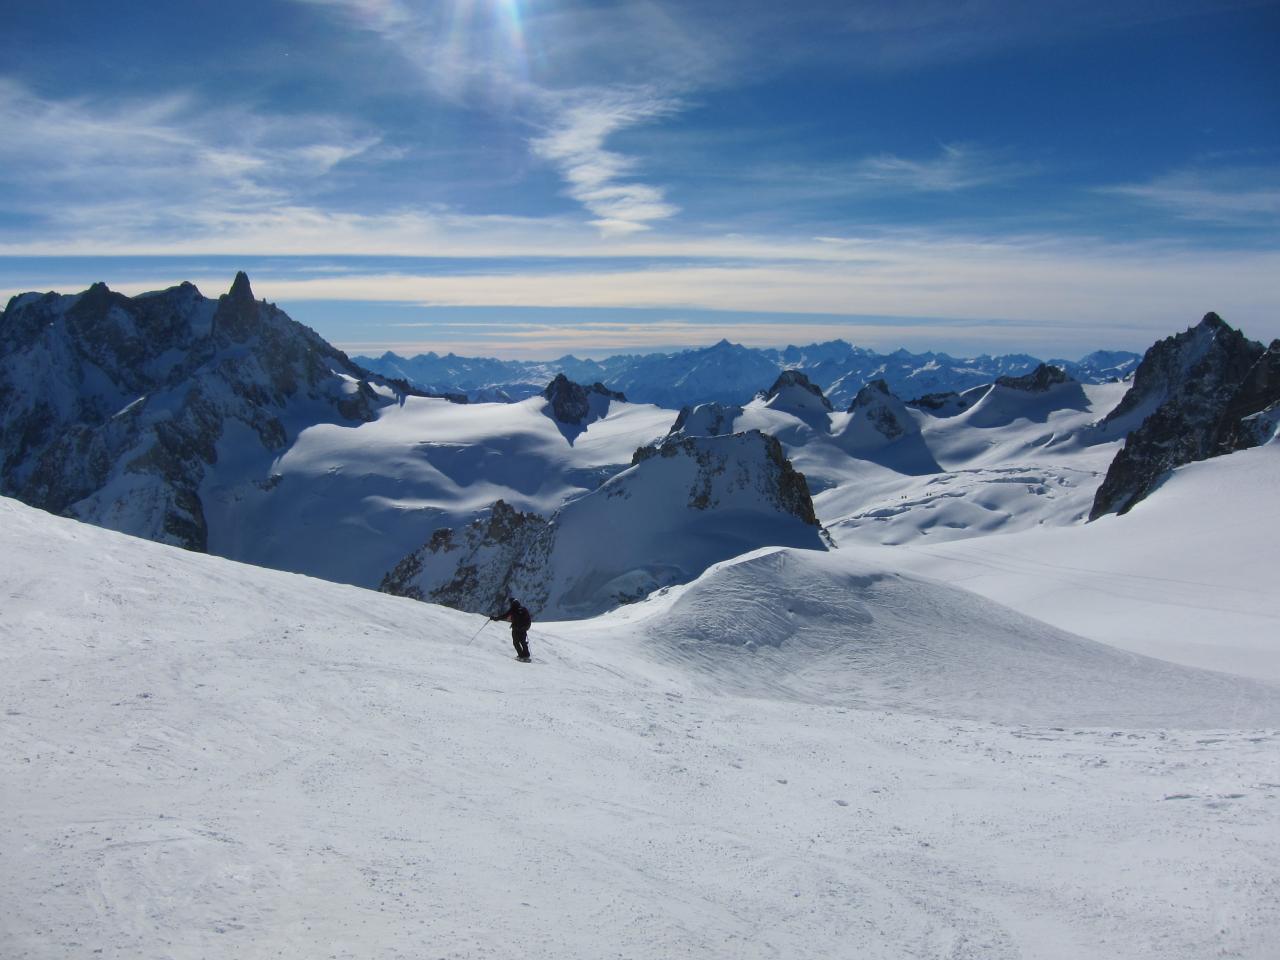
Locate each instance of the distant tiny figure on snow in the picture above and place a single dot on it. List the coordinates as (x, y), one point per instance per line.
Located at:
(521, 620)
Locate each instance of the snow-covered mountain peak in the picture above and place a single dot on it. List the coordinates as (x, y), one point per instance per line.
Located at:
(705, 420)
(734, 468)
(794, 388)
(793, 393)
(877, 418)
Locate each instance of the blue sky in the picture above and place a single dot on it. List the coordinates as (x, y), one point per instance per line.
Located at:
(533, 177)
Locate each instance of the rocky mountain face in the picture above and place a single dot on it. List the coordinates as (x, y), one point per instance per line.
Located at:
(479, 567)
(1189, 398)
(730, 373)
(1253, 415)
(113, 409)
(684, 504)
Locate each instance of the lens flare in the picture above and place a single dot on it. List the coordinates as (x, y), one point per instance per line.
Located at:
(484, 38)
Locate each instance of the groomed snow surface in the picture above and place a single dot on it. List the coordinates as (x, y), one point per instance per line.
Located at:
(799, 754)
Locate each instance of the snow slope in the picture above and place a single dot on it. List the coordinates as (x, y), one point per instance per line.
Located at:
(1011, 461)
(200, 758)
(1188, 575)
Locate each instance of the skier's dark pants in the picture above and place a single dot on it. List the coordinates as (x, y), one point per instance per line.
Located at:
(519, 641)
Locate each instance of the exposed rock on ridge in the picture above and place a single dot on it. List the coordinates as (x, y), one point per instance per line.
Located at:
(484, 563)
(571, 402)
(705, 420)
(1253, 414)
(885, 412)
(1037, 381)
(793, 379)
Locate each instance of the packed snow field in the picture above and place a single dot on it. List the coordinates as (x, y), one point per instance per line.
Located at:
(799, 754)
(1188, 575)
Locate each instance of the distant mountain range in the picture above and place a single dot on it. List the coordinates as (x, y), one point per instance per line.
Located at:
(731, 373)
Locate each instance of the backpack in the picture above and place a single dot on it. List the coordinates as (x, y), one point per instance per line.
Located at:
(521, 617)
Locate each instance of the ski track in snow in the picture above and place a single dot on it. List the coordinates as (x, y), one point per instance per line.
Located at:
(203, 759)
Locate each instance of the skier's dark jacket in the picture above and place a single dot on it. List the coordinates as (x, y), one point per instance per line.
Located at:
(518, 615)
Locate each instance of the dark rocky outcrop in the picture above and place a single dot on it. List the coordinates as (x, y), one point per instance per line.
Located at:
(1183, 393)
(477, 568)
(947, 404)
(1252, 414)
(1038, 380)
(571, 402)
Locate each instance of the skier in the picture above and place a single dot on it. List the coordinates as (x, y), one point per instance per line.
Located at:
(521, 620)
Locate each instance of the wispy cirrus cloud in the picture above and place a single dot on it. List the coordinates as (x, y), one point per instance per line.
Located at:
(1238, 196)
(597, 177)
(175, 154)
(956, 167)
(482, 55)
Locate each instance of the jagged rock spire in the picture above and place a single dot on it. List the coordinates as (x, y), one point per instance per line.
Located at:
(240, 289)
(238, 312)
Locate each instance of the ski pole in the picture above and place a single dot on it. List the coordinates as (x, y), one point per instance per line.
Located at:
(478, 632)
